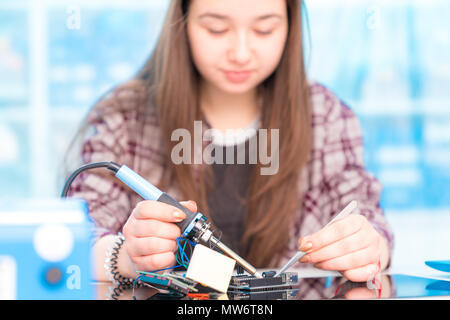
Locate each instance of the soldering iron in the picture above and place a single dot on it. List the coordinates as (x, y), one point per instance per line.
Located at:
(194, 227)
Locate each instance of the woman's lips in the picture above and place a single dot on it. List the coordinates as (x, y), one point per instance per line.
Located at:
(237, 76)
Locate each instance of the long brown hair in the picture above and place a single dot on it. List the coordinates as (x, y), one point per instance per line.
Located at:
(172, 83)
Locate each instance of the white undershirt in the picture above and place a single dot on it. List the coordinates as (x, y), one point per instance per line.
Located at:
(234, 136)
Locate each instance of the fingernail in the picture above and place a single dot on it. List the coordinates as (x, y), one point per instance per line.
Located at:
(305, 259)
(179, 216)
(306, 246)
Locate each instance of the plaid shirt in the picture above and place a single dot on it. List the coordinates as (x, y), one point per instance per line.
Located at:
(334, 175)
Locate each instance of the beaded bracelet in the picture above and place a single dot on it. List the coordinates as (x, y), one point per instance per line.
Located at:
(111, 267)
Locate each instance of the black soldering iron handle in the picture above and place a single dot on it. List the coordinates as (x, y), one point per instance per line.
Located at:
(189, 214)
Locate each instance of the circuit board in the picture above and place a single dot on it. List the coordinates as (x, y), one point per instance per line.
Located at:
(168, 281)
(251, 283)
(274, 294)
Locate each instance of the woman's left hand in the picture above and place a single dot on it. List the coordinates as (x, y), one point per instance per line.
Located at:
(350, 245)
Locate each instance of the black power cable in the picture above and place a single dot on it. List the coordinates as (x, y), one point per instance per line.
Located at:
(114, 167)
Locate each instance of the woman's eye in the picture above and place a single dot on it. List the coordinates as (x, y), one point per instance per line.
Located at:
(217, 31)
(263, 33)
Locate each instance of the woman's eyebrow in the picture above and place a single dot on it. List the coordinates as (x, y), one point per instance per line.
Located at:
(223, 17)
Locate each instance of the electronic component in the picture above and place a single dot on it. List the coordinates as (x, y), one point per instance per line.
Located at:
(250, 283)
(219, 268)
(168, 282)
(207, 296)
(269, 274)
(283, 294)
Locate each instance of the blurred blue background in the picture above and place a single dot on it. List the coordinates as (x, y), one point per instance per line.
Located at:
(388, 60)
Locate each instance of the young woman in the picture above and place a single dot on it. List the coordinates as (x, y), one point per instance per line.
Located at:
(234, 64)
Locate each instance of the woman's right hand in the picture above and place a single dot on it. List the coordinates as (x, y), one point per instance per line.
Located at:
(150, 234)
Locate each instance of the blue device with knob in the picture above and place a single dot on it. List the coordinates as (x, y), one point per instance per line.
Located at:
(45, 250)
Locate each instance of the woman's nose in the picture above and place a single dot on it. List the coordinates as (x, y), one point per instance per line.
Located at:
(240, 51)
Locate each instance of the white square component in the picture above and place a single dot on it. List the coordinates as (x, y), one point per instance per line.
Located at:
(210, 268)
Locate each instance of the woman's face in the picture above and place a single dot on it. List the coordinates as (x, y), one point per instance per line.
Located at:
(237, 44)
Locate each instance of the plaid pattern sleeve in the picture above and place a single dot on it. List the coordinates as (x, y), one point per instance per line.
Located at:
(336, 174)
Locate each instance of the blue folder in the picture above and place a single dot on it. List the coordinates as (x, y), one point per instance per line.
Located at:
(443, 265)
